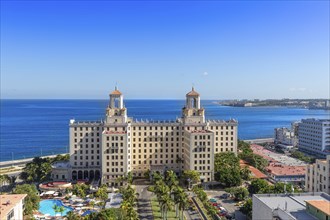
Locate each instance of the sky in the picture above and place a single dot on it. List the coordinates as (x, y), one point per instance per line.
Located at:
(159, 49)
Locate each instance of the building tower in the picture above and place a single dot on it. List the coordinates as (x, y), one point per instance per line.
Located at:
(116, 112)
(192, 112)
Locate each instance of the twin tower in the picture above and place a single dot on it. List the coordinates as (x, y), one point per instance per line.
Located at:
(192, 112)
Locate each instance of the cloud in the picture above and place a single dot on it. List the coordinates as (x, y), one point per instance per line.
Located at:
(205, 73)
(298, 89)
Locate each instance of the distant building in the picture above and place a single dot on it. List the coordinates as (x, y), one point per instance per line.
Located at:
(285, 137)
(11, 206)
(111, 148)
(60, 170)
(282, 168)
(318, 176)
(314, 137)
(302, 206)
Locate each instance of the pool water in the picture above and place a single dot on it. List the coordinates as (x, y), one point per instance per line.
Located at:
(46, 207)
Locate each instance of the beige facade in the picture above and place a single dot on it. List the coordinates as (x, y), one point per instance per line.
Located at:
(318, 176)
(111, 148)
(12, 206)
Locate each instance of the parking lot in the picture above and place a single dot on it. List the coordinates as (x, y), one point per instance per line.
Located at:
(228, 203)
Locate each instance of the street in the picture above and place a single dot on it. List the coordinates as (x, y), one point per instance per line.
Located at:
(228, 204)
(144, 207)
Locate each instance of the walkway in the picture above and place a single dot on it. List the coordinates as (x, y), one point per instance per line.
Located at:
(144, 207)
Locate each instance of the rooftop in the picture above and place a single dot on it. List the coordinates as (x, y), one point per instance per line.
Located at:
(116, 92)
(254, 171)
(292, 204)
(276, 157)
(284, 170)
(8, 202)
(193, 92)
(321, 205)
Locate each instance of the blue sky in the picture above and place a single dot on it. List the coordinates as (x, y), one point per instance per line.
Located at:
(158, 49)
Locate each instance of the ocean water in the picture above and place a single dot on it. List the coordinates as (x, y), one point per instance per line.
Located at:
(41, 127)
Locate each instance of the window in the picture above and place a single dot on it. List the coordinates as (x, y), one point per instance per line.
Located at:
(10, 215)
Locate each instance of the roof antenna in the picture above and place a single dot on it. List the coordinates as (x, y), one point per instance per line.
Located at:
(116, 86)
(193, 89)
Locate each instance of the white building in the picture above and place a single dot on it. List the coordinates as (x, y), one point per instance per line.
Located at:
(314, 137)
(11, 206)
(318, 176)
(111, 148)
(284, 137)
(302, 206)
(60, 170)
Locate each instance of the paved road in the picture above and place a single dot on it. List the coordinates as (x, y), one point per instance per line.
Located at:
(144, 206)
(228, 204)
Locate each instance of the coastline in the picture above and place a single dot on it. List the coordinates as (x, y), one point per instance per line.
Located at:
(20, 162)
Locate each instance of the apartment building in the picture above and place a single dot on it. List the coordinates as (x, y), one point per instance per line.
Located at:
(318, 176)
(314, 137)
(119, 144)
(12, 206)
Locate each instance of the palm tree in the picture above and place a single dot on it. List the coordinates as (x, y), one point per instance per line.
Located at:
(182, 202)
(92, 203)
(166, 204)
(72, 216)
(61, 209)
(56, 208)
(176, 192)
(171, 179)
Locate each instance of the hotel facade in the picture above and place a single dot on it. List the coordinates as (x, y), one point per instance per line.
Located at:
(118, 144)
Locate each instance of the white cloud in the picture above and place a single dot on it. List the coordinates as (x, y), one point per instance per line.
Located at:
(298, 89)
(205, 73)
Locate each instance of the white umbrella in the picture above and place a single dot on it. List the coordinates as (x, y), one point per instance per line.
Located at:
(49, 192)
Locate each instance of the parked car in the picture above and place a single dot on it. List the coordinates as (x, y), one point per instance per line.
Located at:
(224, 196)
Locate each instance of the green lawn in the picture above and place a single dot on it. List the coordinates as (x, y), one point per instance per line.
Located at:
(156, 210)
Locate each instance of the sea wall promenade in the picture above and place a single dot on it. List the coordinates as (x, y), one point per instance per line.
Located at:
(21, 162)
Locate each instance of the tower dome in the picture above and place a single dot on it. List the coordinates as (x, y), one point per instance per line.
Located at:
(192, 92)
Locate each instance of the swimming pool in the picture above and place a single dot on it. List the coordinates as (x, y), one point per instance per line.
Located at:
(46, 207)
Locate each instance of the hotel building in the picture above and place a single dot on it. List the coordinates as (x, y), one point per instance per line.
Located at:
(314, 137)
(118, 144)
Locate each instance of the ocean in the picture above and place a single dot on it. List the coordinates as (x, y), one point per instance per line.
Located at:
(32, 128)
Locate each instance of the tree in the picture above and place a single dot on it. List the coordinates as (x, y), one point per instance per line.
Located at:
(147, 174)
(80, 189)
(101, 193)
(55, 208)
(227, 169)
(4, 179)
(191, 176)
(32, 199)
(37, 171)
(239, 193)
(156, 177)
(171, 179)
(245, 173)
(72, 216)
(247, 208)
(166, 204)
(60, 157)
(61, 209)
(259, 186)
(106, 214)
(180, 200)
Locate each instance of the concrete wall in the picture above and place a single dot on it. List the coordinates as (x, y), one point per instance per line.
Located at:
(260, 211)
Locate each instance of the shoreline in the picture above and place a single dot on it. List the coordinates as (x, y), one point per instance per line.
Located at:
(20, 162)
